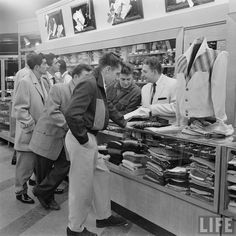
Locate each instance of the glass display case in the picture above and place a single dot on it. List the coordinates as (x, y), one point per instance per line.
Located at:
(177, 164)
(228, 182)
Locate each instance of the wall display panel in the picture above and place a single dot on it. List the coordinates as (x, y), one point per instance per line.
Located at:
(83, 17)
(124, 10)
(54, 25)
(172, 5)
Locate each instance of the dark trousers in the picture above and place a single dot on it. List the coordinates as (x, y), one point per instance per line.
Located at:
(49, 175)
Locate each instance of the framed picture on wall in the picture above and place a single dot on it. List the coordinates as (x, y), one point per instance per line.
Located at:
(83, 17)
(124, 10)
(172, 5)
(54, 25)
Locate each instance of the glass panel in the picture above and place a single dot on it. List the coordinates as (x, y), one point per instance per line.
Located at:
(11, 67)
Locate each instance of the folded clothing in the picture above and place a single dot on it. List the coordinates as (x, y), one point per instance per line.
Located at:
(233, 161)
(202, 183)
(231, 178)
(200, 175)
(131, 165)
(203, 169)
(177, 188)
(200, 189)
(134, 145)
(182, 183)
(160, 162)
(202, 161)
(139, 171)
(151, 177)
(231, 167)
(135, 157)
(202, 197)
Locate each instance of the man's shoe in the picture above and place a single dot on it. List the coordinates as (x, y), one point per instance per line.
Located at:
(53, 205)
(111, 221)
(32, 182)
(41, 200)
(25, 198)
(59, 191)
(85, 232)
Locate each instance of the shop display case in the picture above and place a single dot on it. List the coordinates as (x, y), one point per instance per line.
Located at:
(228, 182)
(198, 193)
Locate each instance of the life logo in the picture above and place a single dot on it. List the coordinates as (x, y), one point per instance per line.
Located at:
(216, 225)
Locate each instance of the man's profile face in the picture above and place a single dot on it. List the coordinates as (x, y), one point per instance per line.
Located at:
(112, 73)
(148, 74)
(43, 67)
(125, 80)
(55, 65)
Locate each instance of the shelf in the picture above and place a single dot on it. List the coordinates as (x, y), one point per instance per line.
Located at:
(147, 54)
(163, 66)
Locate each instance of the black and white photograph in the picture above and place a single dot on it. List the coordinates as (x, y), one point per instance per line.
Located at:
(117, 117)
(172, 5)
(83, 17)
(54, 25)
(124, 10)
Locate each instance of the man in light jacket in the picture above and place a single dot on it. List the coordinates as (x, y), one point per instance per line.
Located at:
(30, 98)
(48, 139)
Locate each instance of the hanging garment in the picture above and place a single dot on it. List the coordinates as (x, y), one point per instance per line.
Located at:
(199, 84)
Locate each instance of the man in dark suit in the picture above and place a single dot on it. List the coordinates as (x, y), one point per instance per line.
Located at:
(48, 140)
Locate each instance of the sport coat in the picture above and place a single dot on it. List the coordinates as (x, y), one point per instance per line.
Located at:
(50, 130)
(164, 100)
(202, 91)
(28, 105)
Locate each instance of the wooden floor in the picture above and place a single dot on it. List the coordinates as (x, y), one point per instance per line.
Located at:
(21, 219)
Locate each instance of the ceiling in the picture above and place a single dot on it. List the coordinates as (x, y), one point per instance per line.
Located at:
(14, 10)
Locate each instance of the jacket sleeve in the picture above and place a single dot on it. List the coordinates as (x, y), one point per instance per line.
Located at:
(218, 85)
(22, 106)
(166, 109)
(134, 102)
(81, 99)
(116, 116)
(53, 107)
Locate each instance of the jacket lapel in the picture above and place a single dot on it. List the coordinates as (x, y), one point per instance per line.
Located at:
(37, 86)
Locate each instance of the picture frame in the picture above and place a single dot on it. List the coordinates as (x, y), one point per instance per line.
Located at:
(83, 17)
(172, 5)
(54, 25)
(121, 11)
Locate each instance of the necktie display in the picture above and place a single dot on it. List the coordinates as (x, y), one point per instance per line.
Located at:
(153, 92)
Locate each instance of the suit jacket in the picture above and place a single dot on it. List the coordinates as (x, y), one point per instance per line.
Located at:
(28, 106)
(202, 91)
(50, 130)
(19, 75)
(164, 98)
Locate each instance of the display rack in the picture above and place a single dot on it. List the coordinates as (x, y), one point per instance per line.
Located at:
(152, 198)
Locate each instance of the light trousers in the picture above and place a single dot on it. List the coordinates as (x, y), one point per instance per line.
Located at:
(89, 182)
(24, 169)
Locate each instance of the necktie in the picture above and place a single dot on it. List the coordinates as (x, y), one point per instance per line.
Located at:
(153, 92)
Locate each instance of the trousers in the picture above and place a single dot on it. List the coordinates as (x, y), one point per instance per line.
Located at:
(50, 174)
(24, 169)
(89, 182)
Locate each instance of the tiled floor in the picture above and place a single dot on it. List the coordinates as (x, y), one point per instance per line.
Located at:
(32, 220)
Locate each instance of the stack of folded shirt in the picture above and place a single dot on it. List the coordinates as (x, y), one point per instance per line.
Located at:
(154, 173)
(202, 178)
(231, 177)
(177, 179)
(173, 157)
(134, 163)
(114, 149)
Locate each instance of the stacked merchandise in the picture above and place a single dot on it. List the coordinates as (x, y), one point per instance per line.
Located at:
(161, 160)
(231, 177)
(134, 163)
(202, 173)
(177, 179)
(117, 148)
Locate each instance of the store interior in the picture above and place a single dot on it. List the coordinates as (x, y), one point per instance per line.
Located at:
(165, 29)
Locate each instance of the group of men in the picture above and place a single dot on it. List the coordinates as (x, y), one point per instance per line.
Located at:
(56, 127)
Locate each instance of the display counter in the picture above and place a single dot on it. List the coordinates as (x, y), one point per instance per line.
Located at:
(168, 206)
